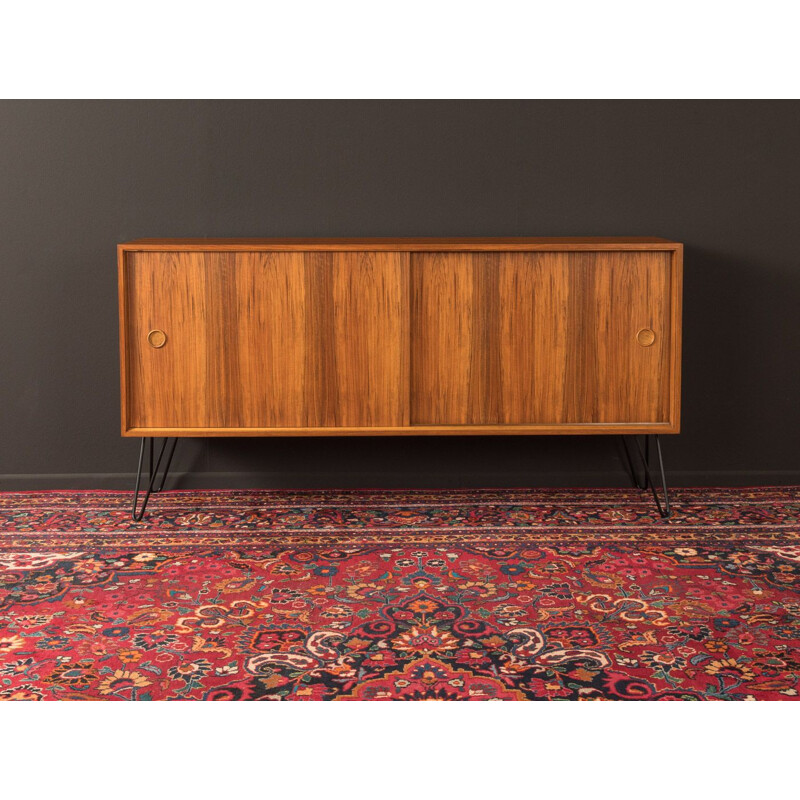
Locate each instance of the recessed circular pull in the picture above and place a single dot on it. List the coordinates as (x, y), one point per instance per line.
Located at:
(645, 337)
(157, 338)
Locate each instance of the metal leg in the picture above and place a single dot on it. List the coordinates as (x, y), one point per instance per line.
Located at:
(631, 467)
(665, 510)
(168, 464)
(153, 473)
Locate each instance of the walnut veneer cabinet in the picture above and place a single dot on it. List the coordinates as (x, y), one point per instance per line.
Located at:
(339, 337)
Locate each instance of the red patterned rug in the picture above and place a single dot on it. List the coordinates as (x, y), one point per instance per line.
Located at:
(410, 595)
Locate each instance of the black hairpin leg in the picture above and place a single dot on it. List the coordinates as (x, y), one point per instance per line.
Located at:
(631, 467)
(664, 509)
(153, 474)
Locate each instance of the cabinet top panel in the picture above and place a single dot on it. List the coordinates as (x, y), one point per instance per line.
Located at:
(410, 244)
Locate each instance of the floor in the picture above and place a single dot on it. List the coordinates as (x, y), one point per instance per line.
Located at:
(529, 594)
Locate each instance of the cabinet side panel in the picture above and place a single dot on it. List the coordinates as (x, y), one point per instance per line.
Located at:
(676, 308)
(124, 360)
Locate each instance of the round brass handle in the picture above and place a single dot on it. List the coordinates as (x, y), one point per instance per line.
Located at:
(645, 337)
(157, 338)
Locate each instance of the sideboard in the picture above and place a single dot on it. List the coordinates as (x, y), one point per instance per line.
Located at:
(365, 337)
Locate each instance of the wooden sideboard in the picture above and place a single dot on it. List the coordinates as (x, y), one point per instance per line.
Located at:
(404, 336)
(336, 337)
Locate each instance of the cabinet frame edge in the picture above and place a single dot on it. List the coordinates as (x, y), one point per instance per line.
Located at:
(672, 426)
(124, 361)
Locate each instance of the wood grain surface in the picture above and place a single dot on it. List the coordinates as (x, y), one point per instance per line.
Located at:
(266, 340)
(324, 341)
(545, 338)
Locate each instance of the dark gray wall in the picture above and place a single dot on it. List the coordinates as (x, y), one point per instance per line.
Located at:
(78, 177)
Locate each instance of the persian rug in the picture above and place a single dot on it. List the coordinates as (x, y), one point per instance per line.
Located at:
(401, 595)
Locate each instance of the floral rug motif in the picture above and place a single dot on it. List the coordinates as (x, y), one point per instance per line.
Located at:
(401, 595)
